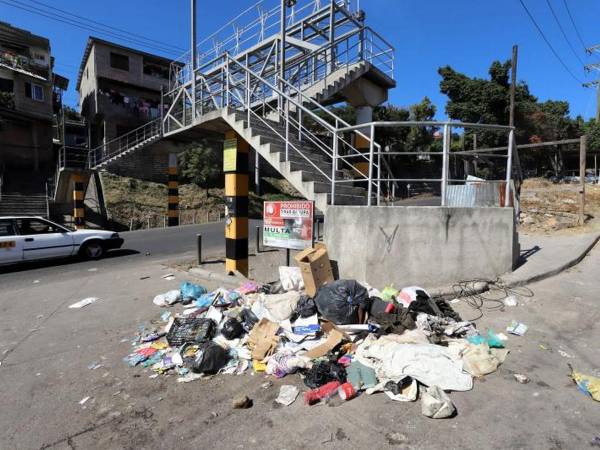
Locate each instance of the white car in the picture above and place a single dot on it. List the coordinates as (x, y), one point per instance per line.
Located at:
(35, 238)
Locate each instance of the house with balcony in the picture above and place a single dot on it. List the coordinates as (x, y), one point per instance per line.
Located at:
(29, 99)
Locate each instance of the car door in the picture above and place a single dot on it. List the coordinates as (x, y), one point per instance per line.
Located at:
(11, 245)
(43, 239)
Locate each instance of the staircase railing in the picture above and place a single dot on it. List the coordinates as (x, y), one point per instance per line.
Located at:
(120, 144)
(245, 89)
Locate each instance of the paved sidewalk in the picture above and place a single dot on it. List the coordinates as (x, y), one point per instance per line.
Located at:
(546, 256)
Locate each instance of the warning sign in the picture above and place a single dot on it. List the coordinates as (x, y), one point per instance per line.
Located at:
(288, 224)
(230, 155)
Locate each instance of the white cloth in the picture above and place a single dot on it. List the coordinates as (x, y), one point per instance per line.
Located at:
(432, 365)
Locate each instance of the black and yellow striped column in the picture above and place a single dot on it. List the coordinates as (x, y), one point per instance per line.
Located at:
(78, 201)
(173, 188)
(235, 166)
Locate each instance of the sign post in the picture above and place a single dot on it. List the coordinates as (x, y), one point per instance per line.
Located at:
(288, 224)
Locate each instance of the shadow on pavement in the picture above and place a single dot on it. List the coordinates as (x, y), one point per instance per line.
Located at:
(30, 265)
(526, 254)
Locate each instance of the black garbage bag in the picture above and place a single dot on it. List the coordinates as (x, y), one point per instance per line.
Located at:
(248, 318)
(323, 372)
(232, 329)
(306, 306)
(210, 358)
(340, 300)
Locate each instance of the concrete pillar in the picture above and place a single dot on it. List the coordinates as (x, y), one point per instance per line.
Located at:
(173, 191)
(235, 166)
(256, 173)
(78, 201)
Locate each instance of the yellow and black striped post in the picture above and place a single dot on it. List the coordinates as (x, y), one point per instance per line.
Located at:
(78, 201)
(235, 166)
(173, 188)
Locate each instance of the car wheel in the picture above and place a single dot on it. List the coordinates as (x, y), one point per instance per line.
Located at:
(92, 250)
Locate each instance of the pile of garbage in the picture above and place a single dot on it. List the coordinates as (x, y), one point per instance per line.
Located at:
(345, 340)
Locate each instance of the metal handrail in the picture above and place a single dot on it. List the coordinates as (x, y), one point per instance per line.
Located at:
(445, 153)
(144, 133)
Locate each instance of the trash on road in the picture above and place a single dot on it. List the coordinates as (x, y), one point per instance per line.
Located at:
(84, 400)
(287, 394)
(436, 404)
(84, 302)
(517, 328)
(523, 379)
(343, 338)
(587, 384)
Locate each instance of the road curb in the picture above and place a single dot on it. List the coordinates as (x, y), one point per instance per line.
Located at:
(210, 275)
(553, 272)
(448, 291)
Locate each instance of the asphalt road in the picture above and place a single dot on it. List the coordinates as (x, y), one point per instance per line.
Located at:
(154, 245)
(64, 384)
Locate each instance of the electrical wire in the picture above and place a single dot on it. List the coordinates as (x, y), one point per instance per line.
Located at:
(82, 25)
(548, 42)
(561, 30)
(491, 299)
(120, 30)
(573, 23)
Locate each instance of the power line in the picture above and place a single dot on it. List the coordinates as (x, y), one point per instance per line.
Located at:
(50, 7)
(84, 26)
(548, 42)
(573, 23)
(563, 32)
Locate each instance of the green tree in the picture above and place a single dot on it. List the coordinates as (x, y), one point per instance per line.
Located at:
(421, 138)
(202, 165)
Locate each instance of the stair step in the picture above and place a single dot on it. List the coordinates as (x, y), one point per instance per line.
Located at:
(322, 187)
(341, 199)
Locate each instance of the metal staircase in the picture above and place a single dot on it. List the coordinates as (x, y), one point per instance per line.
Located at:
(272, 88)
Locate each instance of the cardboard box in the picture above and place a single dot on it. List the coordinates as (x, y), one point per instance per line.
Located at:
(315, 267)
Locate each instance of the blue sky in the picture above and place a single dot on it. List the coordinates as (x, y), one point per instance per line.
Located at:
(427, 34)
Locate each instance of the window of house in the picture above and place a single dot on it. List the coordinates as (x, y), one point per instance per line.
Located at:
(34, 91)
(118, 61)
(7, 85)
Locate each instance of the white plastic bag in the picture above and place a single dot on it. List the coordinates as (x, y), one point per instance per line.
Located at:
(168, 298)
(291, 278)
(436, 404)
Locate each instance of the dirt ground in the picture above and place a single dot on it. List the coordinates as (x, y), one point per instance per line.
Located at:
(550, 208)
(138, 204)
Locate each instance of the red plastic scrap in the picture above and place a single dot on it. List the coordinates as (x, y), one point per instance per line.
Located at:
(146, 351)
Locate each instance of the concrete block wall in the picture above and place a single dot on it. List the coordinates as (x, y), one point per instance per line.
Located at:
(427, 246)
(149, 163)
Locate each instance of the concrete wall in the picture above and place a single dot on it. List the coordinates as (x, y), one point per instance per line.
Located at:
(427, 246)
(135, 75)
(149, 163)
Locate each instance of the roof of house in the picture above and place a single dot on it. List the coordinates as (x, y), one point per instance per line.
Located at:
(93, 40)
(20, 36)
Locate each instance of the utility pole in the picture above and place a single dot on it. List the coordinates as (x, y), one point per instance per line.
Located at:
(596, 83)
(193, 62)
(511, 118)
(582, 164)
(513, 84)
